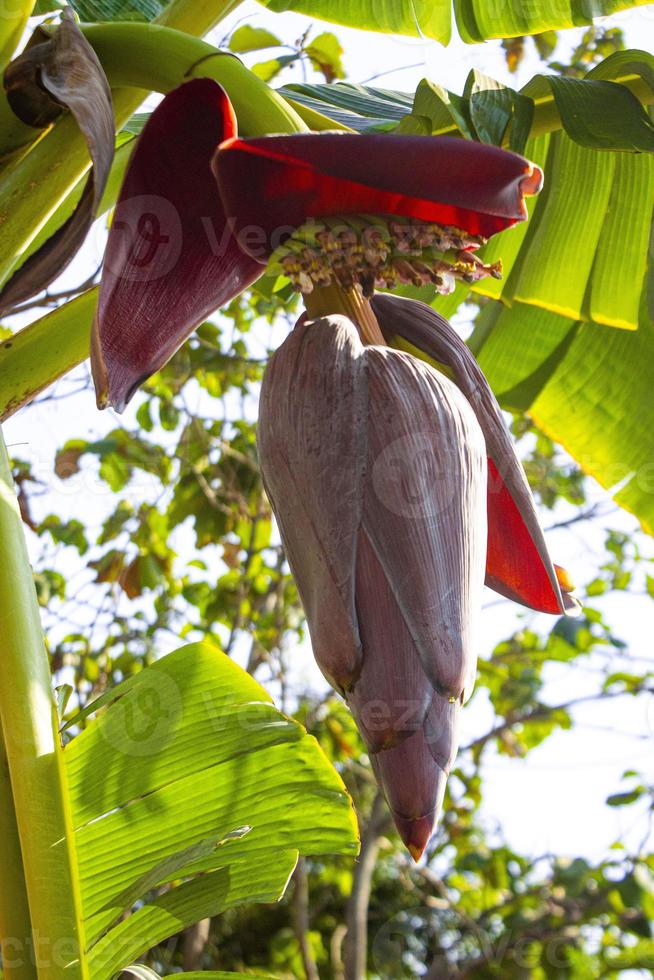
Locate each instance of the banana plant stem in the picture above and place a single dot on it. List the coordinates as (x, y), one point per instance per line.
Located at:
(34, 756)
(64, 333)
(15, 929)
(149, 56)
(13, 19)
(195, 17)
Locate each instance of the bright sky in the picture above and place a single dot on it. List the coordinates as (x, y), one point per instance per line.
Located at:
(553, 800)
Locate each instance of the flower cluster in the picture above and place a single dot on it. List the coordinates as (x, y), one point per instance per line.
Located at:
(397, 489)
(367, 251)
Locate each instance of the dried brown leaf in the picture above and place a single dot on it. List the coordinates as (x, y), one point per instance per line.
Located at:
(55, 73)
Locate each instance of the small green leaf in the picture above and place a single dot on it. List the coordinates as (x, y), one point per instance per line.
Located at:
(267, 70)
(325, 53)
(624, 799)
(62, 697)
(597, 587)
(598, 114)
(494, 108)
(247, 38)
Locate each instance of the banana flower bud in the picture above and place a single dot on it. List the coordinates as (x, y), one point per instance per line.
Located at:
(375, 465)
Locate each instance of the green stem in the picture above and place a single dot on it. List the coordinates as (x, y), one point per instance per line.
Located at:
(13, 18)
(29, 721)
(149, 56)
(15, 929)
(64, 334)
(68, 205)
(195, 17)
(327, 300)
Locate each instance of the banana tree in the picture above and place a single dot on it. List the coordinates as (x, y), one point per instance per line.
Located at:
(183, 792)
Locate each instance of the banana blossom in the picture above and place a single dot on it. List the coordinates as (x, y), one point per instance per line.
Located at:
(397, 489)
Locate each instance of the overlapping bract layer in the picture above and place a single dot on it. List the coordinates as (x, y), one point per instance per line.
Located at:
(375, 463)
(518, 563)
(279, 182)
(182, 244)
(375, 466)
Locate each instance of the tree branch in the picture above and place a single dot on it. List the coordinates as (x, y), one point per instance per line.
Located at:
(356, 938)
(301, 920)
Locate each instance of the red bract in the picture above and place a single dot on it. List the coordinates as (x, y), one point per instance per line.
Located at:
(171, 259)
(181, 245)
(278, 182)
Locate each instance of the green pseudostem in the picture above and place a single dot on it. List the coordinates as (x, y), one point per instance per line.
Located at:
(195, 17)
(40, 922)
(34, 757)
(12, 24)
(15, 931)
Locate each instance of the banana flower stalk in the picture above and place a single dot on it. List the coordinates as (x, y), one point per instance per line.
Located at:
(397, 489)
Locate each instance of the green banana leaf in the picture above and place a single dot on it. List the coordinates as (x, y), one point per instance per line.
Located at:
(98, 10)
(358, 107)
(576, 270)
(476, 20)
(12, 24)
(189, 794)
(583, 253)
(587, 385)
(145, 973)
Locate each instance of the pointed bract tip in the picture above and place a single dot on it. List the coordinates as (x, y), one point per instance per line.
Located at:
(415, 834)
(533, 181)
(98, 367)
(564, 579)
(571, 605)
